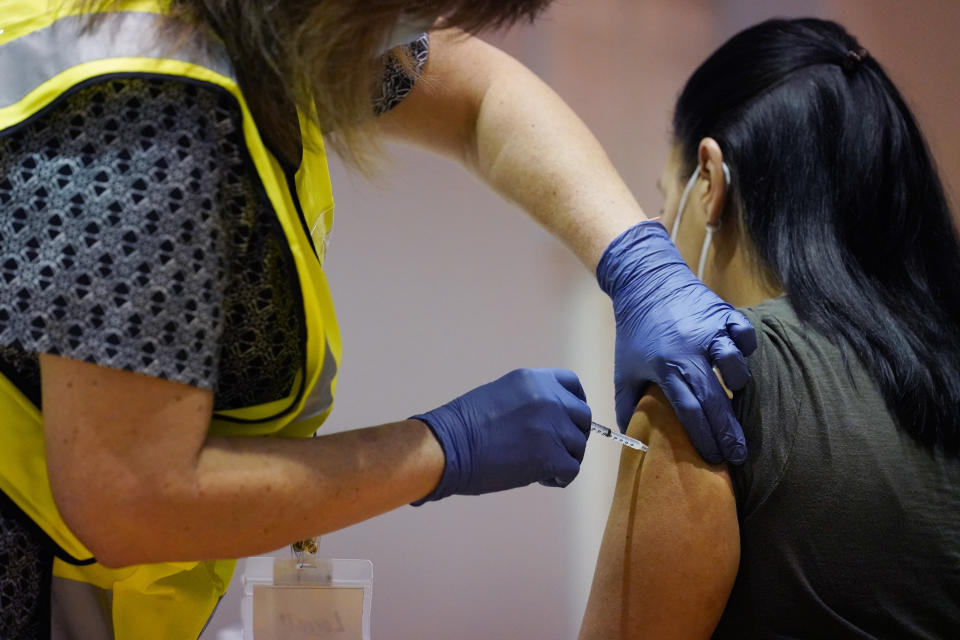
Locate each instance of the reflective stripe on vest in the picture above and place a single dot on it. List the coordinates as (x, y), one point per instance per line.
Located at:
(26, 62)
(45, 54)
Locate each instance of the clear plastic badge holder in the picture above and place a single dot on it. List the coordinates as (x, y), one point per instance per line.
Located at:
(306, 597)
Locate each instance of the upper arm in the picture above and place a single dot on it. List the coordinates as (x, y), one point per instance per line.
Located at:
(115, 441)
(671, 548)
(125, 265)
(441, 111)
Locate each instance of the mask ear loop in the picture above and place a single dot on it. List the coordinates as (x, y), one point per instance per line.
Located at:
(683, 203)
(711, 228)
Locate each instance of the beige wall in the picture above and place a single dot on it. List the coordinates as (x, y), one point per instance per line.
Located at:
(441, 287)
(918, 44)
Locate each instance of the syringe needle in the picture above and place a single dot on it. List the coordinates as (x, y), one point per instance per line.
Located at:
(616, 436)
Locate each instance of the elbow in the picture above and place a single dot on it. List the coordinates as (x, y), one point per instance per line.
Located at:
(99, 529)
(112, 520)
(113, 558)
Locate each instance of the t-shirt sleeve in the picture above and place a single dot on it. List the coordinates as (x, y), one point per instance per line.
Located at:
(112, 242)
(767, 408)
(397, 82)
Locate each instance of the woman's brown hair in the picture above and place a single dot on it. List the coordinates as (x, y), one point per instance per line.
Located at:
(322, 57)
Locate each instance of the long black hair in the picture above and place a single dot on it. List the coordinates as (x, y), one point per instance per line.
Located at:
(840, 197)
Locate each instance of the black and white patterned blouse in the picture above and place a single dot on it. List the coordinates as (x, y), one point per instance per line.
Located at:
(136, 235)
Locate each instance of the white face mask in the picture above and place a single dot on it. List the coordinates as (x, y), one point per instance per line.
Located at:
(405, 31)
(711, 228)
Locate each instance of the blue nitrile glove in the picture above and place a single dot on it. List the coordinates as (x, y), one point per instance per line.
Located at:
(529, 426)
(671, 330)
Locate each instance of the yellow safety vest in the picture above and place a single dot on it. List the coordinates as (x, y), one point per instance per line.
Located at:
(45, 51)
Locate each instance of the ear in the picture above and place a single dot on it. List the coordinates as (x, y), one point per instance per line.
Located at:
(710, 158)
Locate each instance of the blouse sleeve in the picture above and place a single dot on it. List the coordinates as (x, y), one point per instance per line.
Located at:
(112, 241)
(398, 82)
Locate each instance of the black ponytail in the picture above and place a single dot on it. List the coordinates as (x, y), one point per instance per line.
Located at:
(841, 199)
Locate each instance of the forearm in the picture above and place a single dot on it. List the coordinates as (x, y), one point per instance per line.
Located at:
(138, 479)
(243, 496)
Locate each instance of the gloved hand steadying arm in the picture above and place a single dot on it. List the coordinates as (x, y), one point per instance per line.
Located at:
(672, 331)
(529, 426)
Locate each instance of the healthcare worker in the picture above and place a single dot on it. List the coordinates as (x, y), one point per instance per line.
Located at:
(166, 206)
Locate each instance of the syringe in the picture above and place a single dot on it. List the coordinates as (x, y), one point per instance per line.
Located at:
(616, 436)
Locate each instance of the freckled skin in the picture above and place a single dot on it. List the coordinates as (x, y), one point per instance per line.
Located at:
(148, 484)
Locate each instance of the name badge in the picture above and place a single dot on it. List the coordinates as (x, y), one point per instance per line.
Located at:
(294, 599)
(307, 613)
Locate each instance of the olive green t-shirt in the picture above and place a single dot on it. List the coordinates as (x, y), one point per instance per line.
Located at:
(849, 528)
